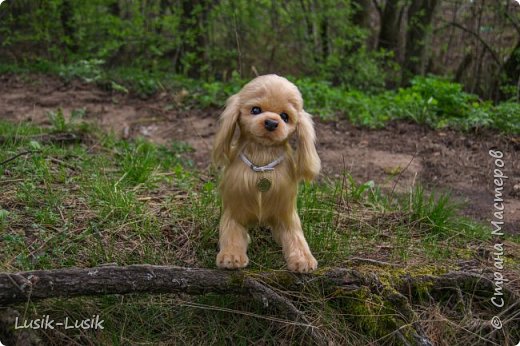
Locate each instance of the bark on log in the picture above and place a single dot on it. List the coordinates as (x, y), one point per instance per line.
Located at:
(72, 282)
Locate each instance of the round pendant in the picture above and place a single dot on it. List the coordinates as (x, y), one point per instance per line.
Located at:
(263, 184)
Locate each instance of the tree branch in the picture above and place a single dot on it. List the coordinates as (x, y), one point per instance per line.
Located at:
(18, 155)
(481, 40)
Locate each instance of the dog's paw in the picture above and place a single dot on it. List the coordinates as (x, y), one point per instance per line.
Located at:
(303, 263)
(229, 260)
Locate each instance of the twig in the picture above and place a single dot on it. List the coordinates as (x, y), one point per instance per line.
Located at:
(373, 261)
(401, 173)
(10, 181)
(265, 294)
(18, 155)
(63, 163)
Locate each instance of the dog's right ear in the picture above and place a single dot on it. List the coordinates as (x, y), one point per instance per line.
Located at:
(308, 161)
(224, 136)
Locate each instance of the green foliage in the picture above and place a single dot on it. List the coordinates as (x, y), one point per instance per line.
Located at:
(320, 97)
(444, 97)
(138, 161)
(438, 103)
(87, 70)
(430, 100)
(506, 116)
(433, 101)
(73, 122)
(356, 190)
(212, 41)
(57, 120)
(4, 214)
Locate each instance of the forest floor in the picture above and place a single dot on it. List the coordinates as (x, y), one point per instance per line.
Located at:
(108, 196)
(395, 157)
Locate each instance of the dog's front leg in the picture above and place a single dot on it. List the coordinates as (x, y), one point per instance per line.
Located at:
(295, 248)
(233, 241)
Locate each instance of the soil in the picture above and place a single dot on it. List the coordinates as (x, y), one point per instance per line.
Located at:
(395, 157)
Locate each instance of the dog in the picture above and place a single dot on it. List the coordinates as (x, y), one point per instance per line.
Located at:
(261, 170)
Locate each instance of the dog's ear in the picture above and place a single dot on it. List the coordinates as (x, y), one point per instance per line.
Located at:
(224, 136)
(307, 159)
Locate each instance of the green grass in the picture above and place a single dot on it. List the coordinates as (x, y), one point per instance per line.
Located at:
(106, 200)
(129, 189)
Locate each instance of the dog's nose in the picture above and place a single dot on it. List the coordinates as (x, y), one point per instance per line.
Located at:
(270, 125)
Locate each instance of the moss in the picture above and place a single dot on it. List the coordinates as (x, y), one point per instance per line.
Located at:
(366, 311)
(281, 278)
(321, 271)
(237, 278)
(422, 290)
(338, 292)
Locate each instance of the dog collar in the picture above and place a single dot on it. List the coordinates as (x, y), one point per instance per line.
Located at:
(268, 167)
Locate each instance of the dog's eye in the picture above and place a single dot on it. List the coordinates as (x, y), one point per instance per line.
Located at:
(284, 117)
(256, 110)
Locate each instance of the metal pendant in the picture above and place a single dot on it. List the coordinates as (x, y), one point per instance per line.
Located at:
(263, 184)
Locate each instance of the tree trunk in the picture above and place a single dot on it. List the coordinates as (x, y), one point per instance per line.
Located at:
(511, 70)
(67, 24)
(193, 25)
(324, 35)
(420, 16)
(390, 27)
(463, 66)
(361, 15)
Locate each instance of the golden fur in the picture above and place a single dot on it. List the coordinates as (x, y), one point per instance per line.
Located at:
(243, 203)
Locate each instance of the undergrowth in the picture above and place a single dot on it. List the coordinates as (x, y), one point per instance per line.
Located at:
(433, 101)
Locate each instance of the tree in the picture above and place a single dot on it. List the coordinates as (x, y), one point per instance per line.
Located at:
(193, 25)
(390, 15)
(420, 17)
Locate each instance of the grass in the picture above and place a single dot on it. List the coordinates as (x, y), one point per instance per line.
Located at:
(106, 200)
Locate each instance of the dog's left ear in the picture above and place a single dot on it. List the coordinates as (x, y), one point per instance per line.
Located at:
(307, 159)
(224, 136)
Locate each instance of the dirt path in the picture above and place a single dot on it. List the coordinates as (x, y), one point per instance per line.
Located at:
(445, 160)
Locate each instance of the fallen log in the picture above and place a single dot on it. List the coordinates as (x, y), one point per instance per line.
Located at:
(143, 278)
(72, 282)
(266, 287)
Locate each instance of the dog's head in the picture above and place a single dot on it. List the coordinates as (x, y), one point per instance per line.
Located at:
(268, 110)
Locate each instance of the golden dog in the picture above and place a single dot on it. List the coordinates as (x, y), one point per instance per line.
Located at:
(262, 171)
